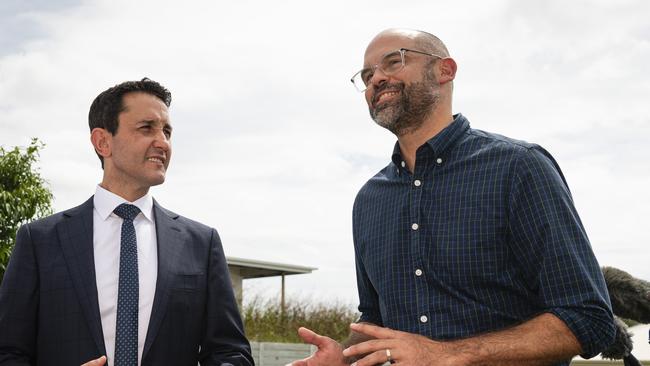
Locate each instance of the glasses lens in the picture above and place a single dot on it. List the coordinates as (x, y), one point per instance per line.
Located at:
(359, 81)
(366, 75)
(392, 63)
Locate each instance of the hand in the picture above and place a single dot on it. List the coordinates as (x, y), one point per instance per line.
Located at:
(329, 353)
(406, 349)
(97, 362)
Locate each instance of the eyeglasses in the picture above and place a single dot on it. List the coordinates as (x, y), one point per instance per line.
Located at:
(390, 64)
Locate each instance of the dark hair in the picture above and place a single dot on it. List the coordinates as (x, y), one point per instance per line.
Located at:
(105, 109)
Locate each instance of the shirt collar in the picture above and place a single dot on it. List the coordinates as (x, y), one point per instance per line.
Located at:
(442, 141)
(106, 201)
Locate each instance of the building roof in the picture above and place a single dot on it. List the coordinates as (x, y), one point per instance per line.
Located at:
(249, 268)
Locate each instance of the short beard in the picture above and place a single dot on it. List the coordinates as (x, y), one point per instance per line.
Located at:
(415, 104)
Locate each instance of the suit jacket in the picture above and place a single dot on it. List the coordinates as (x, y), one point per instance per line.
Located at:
(49, 312)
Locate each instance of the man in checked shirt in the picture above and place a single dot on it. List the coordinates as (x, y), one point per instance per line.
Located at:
(469, 250)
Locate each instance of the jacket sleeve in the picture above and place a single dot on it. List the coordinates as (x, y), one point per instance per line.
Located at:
(224, 343)
(19, 299)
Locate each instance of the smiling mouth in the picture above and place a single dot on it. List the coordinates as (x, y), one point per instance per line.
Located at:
(156, 160)
(386, 94)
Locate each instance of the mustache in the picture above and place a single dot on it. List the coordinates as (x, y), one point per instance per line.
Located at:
(383, 87)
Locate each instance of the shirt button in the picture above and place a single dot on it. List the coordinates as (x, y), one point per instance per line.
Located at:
(417, 183)
(424, 319)
(439, 160)
(418, 272)
(403, 164)
(415, 226)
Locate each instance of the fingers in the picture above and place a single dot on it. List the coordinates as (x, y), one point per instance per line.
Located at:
(96, 362)
(369, 347)
(374, 331)
(313, 338)
(375, 358)
(307, 335)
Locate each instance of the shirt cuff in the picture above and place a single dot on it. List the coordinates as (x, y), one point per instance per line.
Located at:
(594, 331)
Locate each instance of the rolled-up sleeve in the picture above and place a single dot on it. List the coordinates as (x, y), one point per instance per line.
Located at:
(554, 252)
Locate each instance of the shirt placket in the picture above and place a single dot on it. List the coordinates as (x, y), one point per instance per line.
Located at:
(416, 240)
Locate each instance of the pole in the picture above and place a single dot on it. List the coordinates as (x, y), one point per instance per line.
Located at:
(282, 304)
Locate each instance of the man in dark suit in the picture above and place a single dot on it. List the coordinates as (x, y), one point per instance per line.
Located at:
(120, 280)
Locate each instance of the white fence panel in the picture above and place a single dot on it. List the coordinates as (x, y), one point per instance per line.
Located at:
(279, 354)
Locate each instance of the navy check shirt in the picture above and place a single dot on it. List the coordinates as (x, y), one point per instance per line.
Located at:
(481, 236)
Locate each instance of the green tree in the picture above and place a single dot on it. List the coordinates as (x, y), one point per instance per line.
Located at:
(24, 195)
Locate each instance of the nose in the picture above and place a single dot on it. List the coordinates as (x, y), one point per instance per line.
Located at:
(161, 140)
(378, 77)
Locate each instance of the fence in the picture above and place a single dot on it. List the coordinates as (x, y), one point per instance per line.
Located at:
(279, 354)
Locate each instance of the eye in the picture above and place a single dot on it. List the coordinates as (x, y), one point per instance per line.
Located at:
(167, 132)
(392, 62)
(366, 75)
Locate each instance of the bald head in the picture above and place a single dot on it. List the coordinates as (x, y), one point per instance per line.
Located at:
(424, 41)
(415, 92)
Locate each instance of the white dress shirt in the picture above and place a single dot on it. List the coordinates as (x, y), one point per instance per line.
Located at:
(106, 245)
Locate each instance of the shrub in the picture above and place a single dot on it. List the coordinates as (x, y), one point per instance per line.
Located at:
(265, 321)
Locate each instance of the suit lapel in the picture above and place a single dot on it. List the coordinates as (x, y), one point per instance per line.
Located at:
(76, 238)
(170, 239)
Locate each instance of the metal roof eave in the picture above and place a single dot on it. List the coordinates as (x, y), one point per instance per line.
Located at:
(256, 268)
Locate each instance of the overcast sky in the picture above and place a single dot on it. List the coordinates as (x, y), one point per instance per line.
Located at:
(271, 140)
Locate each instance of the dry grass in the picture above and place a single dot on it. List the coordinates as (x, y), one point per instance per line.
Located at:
(265, 322)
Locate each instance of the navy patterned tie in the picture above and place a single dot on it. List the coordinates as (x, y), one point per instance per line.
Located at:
(126, 330)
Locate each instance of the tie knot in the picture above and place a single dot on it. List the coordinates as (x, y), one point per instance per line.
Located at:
(127, 211)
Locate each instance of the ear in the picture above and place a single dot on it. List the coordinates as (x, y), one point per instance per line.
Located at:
(447, 69)
(102, 141)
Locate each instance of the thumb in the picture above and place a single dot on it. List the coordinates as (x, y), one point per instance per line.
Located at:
(96, 362)
(312, 338)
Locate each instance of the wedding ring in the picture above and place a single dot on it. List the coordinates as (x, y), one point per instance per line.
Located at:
(390, 359)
